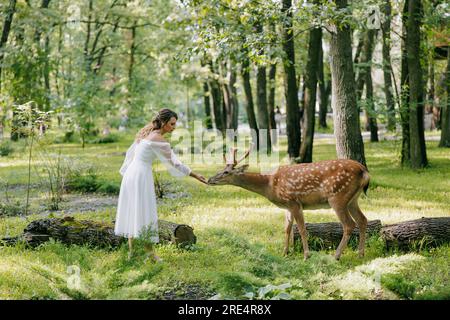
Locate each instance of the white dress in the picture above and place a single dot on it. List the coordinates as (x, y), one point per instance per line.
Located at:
(136, 210)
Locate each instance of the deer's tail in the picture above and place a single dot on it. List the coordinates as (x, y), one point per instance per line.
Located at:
(365, 180)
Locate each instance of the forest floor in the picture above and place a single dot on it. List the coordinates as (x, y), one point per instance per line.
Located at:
(240, 236)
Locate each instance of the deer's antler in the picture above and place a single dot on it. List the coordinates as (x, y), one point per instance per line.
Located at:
(233, 153)
(246, 153)
(232, 161)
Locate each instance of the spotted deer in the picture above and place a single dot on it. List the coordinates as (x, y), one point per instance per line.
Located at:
(332, 183)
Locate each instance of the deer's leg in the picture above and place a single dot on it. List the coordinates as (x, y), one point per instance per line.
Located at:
(288, 232)
(361, 221)
(297, 212)
(347, 224)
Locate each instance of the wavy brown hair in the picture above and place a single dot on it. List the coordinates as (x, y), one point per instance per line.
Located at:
(161, 118)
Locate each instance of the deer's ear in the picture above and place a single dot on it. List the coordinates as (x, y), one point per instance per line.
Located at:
(241, 169)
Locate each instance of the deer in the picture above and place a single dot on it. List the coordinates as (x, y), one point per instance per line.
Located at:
(295, 187)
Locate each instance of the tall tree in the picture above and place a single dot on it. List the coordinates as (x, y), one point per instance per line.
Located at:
(261, 101)
(271, 98)
(387, 68)
(364, 74)
(416, 107)
(249, 106)
(272, 85)
(261, 107)
(404, 83)
(234, 97)
(312, 66)
(290, 84)
(131, 65)
(370, 108)
(445, 118)
(43, 56)
(3, 40)
(231, 105)
(206, 99)
(324, 91)
(5, 32)
(219, 119)
(349, 143)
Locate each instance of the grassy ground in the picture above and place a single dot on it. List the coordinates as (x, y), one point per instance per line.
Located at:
(240, 240)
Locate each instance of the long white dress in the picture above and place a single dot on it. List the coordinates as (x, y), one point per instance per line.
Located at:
(136, 210)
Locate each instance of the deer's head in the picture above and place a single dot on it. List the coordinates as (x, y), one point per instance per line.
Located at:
(231, 169)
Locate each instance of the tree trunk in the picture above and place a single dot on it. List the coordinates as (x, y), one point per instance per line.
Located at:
(404, 87)
(131, 85)
(87, 56)
(387, 68)
(349, 143)
(11, 9)
(217, 101)
(290, 84)
(230, 102)
(271, 100)
(370, 109)
(323, 92)
(249, 108)
(5, 33)
(445, 110)
(416, 129)
(86, 232)
(3, 40)
(364, 72)
(404, 235)
(206, 99)
(364, 61)
(430, 105)
(44, 67)
(261, 102)
(262, 110)
(234, 97)
(226, 94)
(312, 65)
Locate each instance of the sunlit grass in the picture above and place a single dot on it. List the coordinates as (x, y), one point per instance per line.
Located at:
(240, 237)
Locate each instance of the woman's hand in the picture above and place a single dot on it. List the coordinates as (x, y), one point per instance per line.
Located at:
(199, 177)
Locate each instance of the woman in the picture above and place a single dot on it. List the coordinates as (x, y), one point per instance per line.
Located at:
(136, 211)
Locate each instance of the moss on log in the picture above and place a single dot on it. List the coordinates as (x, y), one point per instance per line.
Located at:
(95, 234)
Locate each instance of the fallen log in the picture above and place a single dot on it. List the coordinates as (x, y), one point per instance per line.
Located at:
(404, 235)
(418, 233)
(86, 232)
(328, 234)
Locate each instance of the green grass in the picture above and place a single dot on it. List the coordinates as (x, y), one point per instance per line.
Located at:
(239, 239)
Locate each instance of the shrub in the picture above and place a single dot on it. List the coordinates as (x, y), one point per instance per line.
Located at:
(114, 122)
(110, 138)
(10, 209)
(83, 183)
(82, 178)
(6, 148)
(68, 137)
(109, 188)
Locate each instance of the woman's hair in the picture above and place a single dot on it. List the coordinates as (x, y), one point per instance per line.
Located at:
(161, 118)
